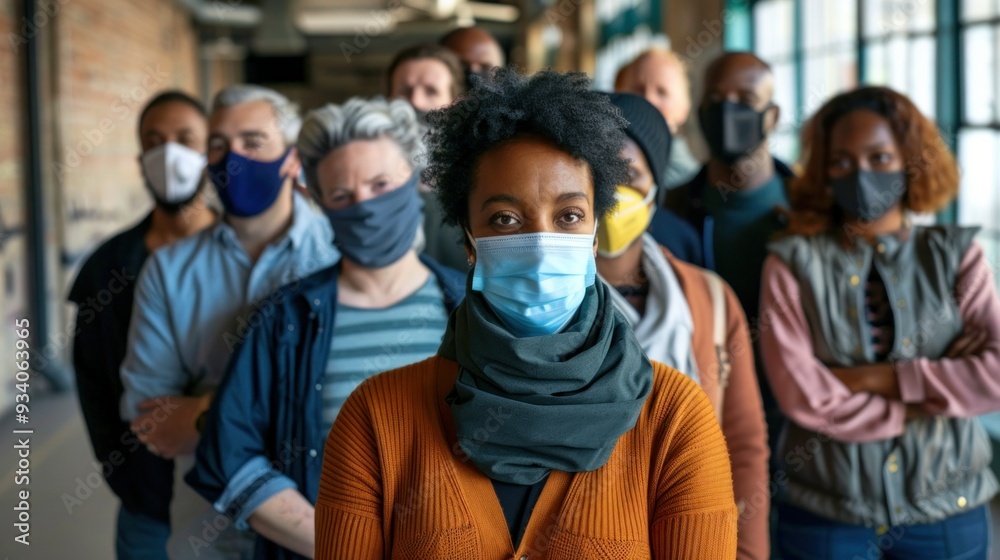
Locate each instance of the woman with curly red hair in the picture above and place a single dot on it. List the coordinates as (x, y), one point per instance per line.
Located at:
(882, 342)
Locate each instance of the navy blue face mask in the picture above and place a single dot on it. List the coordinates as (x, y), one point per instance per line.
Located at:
(247, 187)
(379, 231)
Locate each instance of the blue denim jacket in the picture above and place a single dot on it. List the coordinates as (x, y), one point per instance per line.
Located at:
(265, 431)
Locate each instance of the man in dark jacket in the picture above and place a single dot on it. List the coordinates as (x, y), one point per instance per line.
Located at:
(734, 201)
(173, 132)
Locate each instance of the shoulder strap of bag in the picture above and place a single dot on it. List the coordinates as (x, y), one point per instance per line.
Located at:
(717, 291)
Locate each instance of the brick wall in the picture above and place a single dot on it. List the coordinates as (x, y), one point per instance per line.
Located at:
(13, 248)
(100, 62)
(111, 58)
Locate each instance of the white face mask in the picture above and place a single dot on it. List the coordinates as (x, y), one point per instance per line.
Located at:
(173, 171)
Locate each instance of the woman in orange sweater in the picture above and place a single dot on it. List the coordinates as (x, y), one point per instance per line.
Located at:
(540, 430)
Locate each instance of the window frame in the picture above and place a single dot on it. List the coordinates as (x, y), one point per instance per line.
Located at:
(947, 34)
(961, 123)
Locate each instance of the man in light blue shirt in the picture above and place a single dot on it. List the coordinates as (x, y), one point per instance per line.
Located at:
(196, 300)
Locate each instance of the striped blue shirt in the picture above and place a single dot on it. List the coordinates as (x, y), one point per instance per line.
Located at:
(370, 341)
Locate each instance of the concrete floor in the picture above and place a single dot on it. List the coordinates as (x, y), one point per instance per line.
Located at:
(61, 466)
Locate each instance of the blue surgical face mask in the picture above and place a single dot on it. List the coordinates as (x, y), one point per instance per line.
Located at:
(535, 282)
(379, 231)
(247, 187)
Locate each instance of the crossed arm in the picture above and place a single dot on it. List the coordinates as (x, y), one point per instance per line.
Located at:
(872, 402)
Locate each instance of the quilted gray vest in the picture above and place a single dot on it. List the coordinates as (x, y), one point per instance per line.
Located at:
(939, 466)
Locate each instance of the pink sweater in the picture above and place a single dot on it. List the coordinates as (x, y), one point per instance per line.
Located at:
(812, 397)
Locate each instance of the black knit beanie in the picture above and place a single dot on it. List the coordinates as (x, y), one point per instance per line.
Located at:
(648, 129)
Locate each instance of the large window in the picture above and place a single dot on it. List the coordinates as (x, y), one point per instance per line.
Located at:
(819, 48)
(812, 49)
(898, 41)
(777, 47)
(829, 50)
(979, 134)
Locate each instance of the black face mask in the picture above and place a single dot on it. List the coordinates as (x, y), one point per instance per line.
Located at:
(868, 195)
(471, 77)
(732, 130)
(422, 117)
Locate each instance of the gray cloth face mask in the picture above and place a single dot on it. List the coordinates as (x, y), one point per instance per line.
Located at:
(379, 231)
(868, 195)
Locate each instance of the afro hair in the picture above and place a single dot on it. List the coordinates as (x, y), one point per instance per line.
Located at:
(506, 105)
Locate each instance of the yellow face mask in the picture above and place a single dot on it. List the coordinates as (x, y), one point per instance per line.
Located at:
(629, 220)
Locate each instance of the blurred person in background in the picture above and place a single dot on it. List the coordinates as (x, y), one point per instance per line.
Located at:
(193, 298)
(646, 132)
(686, 317)
(660, 76)
(737, 200)
(540, 428)
(478, 50)
(381, 307)
(173, 129)
(430, 77)
(882, 343)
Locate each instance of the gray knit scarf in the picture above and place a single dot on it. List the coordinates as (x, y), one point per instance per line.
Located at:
(526, 406)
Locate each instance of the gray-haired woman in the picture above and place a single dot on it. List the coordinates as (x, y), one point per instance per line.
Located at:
(315, 340)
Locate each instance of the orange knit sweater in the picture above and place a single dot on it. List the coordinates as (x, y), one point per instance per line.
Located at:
(396, 485)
